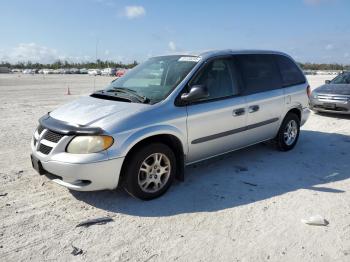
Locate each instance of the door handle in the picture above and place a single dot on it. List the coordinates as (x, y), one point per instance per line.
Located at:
(238, 112)
(253, 109)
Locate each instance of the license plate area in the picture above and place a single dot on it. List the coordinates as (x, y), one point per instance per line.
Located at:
(330, 105)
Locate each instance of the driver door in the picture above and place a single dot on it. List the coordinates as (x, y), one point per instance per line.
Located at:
(215, 125)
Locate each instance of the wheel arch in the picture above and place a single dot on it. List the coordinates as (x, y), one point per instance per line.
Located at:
(168, 138)
(296, 111)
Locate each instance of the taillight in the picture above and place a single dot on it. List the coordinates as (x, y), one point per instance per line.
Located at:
(308, 91)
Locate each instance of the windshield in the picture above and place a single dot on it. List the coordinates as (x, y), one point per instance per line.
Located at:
(157, 77)
(343, 78)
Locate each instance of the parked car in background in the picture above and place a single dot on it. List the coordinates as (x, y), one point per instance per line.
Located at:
(29, 71)
(74, 71)
(108, 71)
(333, 96)
(83, 71)
(169, 112)
(94, 72)
(47, 71)
(16, 70)
(121, 72)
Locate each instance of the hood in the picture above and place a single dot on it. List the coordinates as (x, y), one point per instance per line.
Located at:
(89, 110)
(334, 89)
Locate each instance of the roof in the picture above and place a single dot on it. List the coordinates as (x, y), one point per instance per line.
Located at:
(212, 53)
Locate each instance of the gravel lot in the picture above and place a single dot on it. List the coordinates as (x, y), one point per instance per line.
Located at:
(213, 216)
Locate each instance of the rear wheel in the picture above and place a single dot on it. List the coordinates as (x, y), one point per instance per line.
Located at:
(288, 133)
(150, 171)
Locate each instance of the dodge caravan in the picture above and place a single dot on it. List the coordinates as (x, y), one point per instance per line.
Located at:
(168, 112)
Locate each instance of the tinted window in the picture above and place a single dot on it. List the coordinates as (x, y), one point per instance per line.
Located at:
(259, 73)
(343, 78)
(217, 77)
(291, 74)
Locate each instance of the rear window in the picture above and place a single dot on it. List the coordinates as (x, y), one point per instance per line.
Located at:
(291, 74)
(259, 73)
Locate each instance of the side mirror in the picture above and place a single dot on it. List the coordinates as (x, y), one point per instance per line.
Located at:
(196, 93)
(327, 82)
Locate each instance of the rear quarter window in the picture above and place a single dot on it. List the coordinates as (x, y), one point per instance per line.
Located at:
(259, 73)
(291, 74)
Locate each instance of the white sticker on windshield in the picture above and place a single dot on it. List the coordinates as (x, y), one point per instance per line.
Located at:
(189, 58)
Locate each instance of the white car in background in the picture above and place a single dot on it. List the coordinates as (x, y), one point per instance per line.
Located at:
(108, 71)
(47, 71)
(28, 71)
(83, 71)
(94, 72)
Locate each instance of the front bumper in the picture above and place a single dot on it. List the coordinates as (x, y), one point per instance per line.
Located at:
(82, 177)
(82, 172)
(330, 106)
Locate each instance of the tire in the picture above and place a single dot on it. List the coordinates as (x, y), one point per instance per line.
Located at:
(145, 176)
(288, 133)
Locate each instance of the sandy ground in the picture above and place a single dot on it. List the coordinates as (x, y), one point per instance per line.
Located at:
(213, 216)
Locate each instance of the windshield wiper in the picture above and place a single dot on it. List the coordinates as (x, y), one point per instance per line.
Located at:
(103, 95)
(130, 92)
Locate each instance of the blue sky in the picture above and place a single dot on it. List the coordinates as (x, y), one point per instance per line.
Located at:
(46, 30)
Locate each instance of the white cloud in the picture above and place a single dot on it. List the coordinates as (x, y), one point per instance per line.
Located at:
(172, 46)
(30, 52)
(329, 47)
(35, 53)
(134, 11)
(316, 2)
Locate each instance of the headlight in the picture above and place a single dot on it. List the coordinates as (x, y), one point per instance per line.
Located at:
(314, 95)
(89, 144)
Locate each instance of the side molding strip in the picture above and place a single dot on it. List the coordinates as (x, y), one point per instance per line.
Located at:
(233, 131)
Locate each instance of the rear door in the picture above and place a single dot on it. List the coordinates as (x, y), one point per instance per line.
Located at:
(264, 95)
(294, 83)
(216, 124)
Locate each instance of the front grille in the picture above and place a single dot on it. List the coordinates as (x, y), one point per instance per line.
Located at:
(44, 149)
(48, 136)
(52, 136)
(40, 129)
(333, 98)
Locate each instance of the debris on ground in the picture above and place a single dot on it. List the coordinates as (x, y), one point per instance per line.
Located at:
(316, 220)
(76, 251)
(98, 221)
(3, 194)
(248, 183)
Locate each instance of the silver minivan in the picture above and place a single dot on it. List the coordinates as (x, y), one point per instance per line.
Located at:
(168, 112)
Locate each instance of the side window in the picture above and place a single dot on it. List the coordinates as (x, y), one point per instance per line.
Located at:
(259, 73)
(291, 74)
(217, 77)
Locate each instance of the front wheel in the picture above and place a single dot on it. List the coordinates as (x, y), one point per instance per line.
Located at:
(150, 171)
(288, 133)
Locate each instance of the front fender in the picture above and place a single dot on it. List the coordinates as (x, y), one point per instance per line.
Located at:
(126, 143)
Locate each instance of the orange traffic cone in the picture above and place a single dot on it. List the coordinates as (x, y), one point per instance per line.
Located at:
(68, 91)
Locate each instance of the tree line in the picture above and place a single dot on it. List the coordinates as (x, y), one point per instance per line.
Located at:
(104, 64)
(65, 64)
(313, 66)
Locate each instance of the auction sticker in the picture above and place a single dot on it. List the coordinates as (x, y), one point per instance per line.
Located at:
(189, 58)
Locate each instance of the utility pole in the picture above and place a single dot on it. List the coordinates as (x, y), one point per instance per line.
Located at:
(96, 62)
